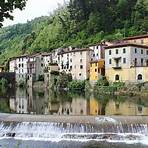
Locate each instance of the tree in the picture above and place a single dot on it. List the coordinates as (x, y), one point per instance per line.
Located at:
(7, 7)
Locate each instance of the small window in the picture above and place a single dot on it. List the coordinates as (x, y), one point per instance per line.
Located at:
(80, 60)
(117, 77)
(139, 77)
(124, 60)
(141, 51)
(135, 62)
(110, 52)
(79, 74)
(110, 61)
(42, 64)
(142, 41)
(135, 50)
(146, 62)
(117, 51)
(124, 50)
(141, 62)
(81, 66)
(95, 70)
(81, 53)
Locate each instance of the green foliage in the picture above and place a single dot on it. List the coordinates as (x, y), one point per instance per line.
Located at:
(63, 80)
(119, 84)
(79, 23)
(3, 83)
(8, 6)
(76, 85)
(102, 82)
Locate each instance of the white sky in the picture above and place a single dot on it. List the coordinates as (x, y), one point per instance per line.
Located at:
(33, 9)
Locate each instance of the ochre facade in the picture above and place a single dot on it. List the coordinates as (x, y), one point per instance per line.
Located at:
(128, 75)
(97, 70)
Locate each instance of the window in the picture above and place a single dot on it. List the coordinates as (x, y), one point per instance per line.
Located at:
(81, 66)
(110, 52)
(116, 51)
(139, 77)
(22, 65)
(124, 50)
(142, 41)
(124, 60)
(80, 60)
(117, 77)
(110, 61)
(141, 51)
(146, 62)
(135, 50)
(95, 70)
(42, 64)
(141, 62)
(79, 74)
(135, 62)
(81, 53)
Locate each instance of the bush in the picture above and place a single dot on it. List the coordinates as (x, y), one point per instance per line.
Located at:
(3, 82)
(102, 82)
(76, 85)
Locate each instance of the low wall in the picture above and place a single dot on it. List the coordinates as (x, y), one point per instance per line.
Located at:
(74, 119)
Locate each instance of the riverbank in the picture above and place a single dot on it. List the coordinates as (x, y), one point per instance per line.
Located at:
(74, 119)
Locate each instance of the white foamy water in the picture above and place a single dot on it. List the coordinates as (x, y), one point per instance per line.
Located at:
(56, 132)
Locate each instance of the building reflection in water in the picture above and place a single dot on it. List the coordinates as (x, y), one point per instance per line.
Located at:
(54, 103)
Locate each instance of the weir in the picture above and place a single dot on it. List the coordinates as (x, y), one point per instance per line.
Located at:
(84, 129)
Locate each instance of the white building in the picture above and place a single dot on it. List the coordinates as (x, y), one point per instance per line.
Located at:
(98, 51)
(76, 62)
(126, 62)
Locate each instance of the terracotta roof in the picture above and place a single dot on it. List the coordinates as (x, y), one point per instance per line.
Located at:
(137, 37)
(75, 50)
(126, 45)
(96, 61)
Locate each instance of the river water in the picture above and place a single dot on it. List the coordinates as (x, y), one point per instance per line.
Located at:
(29, 101)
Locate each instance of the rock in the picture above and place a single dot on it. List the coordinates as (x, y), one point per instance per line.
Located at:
(10, 134)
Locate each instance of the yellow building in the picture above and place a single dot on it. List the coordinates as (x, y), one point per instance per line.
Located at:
(2, 68)
(142, 39)
(126, 62)
(97, 69)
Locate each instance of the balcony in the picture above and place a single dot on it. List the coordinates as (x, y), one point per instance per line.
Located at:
(117, 66)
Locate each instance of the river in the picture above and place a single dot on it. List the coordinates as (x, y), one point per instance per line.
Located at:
(48, 102)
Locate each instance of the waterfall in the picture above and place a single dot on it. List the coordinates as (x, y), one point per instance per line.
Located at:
(45, 131)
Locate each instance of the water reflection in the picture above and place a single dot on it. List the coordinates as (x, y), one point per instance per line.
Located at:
(31, 101)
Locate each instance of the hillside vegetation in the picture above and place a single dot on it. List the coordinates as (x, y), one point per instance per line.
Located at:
(79, 23)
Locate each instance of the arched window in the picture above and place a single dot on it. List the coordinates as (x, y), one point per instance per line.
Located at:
(116, 77)
(139, 77)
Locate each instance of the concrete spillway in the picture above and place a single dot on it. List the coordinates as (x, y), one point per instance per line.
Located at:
(75, 128)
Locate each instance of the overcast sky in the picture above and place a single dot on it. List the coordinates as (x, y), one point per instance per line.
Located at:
(34, 8)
